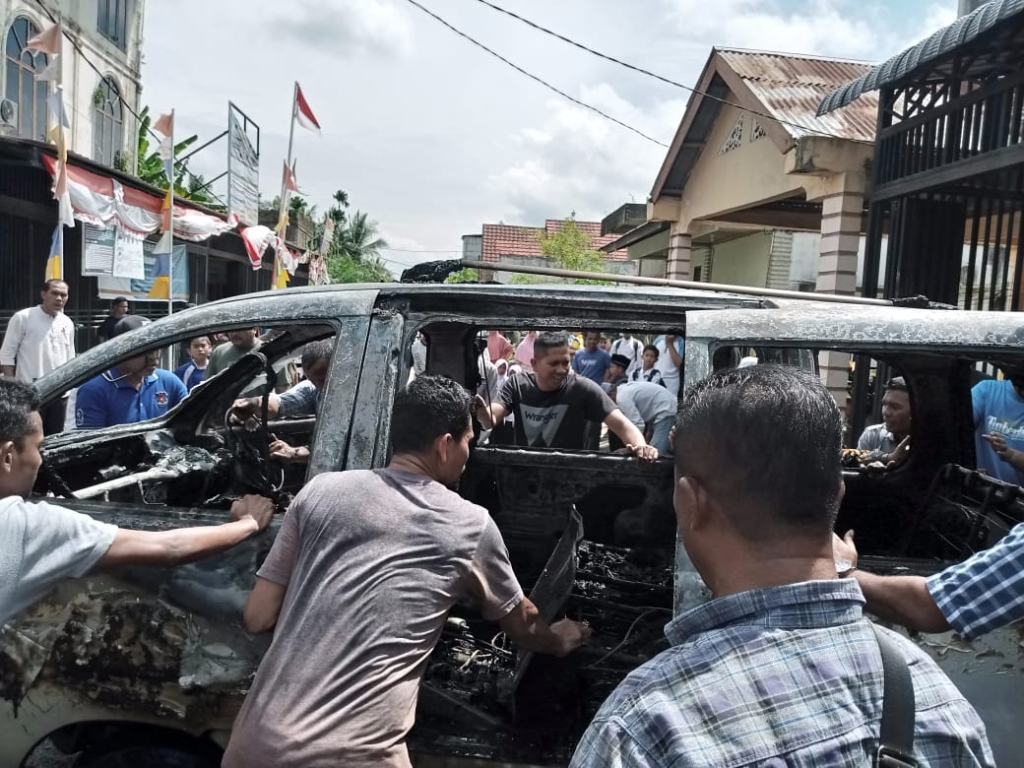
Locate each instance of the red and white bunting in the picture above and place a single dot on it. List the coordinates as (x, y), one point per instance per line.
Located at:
(304, 114)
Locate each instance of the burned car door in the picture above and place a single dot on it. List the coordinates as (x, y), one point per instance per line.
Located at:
(165, 647)
(934, 509)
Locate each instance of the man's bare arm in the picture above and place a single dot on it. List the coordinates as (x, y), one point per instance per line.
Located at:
(903, 600)
(263, 606)
(673, 352)
(489, 414)
(631, 436)
(527, 628)
(183, 545)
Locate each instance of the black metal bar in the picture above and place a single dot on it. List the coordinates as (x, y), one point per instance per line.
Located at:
(201, 147)
(972, 258)
(1018, 271)
(969, 168)
(996, 264)
(990, 203)
(873, 250)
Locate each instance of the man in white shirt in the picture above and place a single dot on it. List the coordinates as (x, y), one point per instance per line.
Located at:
(670, 360)
(631, 348)
(39, 339)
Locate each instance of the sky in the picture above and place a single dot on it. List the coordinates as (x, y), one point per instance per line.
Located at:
(433, 137)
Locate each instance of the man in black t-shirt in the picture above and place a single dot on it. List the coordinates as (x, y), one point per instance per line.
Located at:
(552, 405)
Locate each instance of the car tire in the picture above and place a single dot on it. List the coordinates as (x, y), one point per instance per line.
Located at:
(151, 757)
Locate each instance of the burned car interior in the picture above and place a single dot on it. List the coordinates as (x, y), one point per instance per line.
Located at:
(198, 458)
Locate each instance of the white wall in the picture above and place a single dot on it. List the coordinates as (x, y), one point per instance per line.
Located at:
(743, 261)
(80, 79)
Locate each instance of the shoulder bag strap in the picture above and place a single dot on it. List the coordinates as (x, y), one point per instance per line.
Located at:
(896, 742)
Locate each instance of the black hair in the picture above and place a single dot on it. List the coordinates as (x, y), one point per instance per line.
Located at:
(430, 406)
(53, 281)
(549, 340)
(652, 348)
(897, 383)
(17, 403)
(197, 338)
(119, 300)
(315, 351)
(766, 442)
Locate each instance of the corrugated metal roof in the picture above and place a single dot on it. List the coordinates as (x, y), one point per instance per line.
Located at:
(960, 32)
(792, 86)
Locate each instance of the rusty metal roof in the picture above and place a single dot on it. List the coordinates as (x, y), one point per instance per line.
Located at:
(791, 86)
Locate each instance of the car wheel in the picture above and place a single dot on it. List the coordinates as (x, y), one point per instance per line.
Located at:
(151, 757)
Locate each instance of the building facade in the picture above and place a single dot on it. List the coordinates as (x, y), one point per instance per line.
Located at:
(100, 71)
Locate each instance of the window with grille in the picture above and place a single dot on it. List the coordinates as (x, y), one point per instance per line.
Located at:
(21, 86)
(107, 123)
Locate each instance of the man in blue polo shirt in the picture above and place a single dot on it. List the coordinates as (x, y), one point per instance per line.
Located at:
(136, 390)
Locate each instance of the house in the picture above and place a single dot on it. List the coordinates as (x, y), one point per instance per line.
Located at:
(521, 246)
(101, 76)
(755, 189)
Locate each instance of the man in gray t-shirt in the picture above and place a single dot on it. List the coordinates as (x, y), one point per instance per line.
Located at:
(357, 588)
(42, 543)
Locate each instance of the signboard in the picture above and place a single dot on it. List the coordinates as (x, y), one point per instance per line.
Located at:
(138, 290)
(243, 167)
(112, 252)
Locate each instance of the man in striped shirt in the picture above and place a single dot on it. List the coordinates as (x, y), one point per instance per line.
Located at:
(781, 667)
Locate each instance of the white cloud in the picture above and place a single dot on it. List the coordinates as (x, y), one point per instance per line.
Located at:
(346, 28)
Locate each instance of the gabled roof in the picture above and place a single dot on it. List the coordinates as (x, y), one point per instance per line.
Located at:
(509, 240)
(918, 58)
(783, 91)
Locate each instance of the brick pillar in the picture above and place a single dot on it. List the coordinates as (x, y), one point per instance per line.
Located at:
(841, 216)
(679, 253)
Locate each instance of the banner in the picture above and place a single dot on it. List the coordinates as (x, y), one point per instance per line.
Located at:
(112, 252)
(138, 290)
(243, 168)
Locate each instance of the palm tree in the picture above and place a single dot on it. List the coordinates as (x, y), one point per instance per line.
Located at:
(359, 239)
(355, 255)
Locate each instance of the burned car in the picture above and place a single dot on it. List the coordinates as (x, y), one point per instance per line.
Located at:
(146, 666)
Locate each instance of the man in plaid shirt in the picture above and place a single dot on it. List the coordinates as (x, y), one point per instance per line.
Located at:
(983, 593)
(780, 667)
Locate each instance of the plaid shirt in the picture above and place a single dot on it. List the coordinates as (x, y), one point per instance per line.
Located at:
(985, 591)
(787, 675)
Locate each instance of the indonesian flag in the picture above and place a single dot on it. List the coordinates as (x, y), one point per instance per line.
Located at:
(289, 181)
(304, 114)
(165, 125)
(47, 41)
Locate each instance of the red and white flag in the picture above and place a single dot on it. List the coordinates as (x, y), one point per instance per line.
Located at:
(289, 182)
(165, 125)
(47, 41)
(304, 114)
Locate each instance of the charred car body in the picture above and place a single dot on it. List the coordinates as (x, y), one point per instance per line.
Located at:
(151, 665)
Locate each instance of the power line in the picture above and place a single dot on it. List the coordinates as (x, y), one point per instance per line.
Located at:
(535, 78)
(648, 73)
(120, 98)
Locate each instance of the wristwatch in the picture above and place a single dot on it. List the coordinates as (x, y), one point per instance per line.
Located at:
(844, 568)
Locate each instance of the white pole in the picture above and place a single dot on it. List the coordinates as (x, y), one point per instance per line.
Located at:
(170, 227)
(283, 208)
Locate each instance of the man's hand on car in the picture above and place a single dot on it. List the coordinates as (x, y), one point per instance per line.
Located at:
(572, 635)
(646, 453)
(245, 411)
(257, 508)
(289, 454)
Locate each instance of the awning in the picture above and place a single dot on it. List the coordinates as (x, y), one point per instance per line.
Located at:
(962, 31)
(104, 202)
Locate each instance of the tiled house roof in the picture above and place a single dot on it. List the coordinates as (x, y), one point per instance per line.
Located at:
(508, 240)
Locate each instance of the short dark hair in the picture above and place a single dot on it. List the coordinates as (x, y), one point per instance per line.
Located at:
(315, 351)
(52, 282)
(194, 339)
(897, 383)
(766, 441)
(118, 300)
(428, 407)
(549, 340)
(652, 348)
(17, 403)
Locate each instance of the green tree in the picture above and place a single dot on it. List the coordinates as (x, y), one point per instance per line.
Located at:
(151, 168)
(467, 275)
(570, 248)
